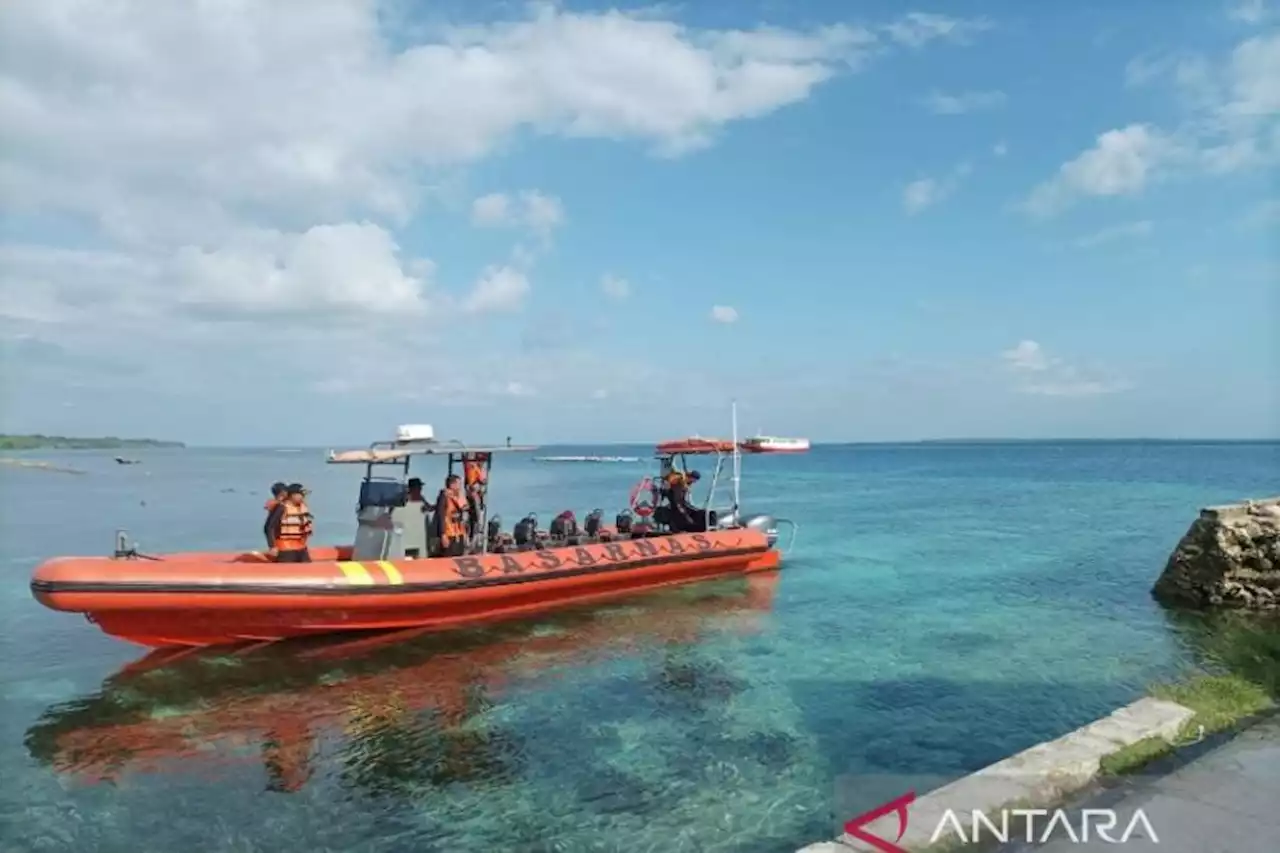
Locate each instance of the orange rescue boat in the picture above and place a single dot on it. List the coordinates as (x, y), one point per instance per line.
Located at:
(203, 599)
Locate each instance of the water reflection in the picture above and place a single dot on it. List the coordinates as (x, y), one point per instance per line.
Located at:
(389, 714)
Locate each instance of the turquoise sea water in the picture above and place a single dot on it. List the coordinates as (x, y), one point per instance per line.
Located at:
(946, 605)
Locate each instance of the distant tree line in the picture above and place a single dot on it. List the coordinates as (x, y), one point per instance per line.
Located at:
(62, 442)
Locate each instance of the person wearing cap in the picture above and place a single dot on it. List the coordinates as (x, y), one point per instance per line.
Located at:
(278, 491)
(414, 518)
(289, 527)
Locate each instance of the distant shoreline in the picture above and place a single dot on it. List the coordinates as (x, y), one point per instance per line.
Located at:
(62, 442)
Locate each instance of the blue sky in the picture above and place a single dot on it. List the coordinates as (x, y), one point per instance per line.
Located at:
(307, 222)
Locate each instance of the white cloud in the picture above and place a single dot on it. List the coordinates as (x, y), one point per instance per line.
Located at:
(1127, 230)
(351, 268)
(537, 211)
(1253, 78)
(1036, 372)
(923, 193)
(328, 267)
(1263, 214)
(196, 124)
(491, 210)
(253, 104)
(724, 314)
(235, 162)
(615, 287)
(1232, 123)
(920, 194)
(1248, 11)
(1026, 355)
(499, 288)
(964, 102)
(916, 29)
(518, 389)
(1000, 149)
(1120, 163)
(542, 213)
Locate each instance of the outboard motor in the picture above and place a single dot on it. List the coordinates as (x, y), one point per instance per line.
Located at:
(525, 532)
(564, 525)
(727, 521)
(623, 523)
(591, 524)
(493, 532)
(766, 524)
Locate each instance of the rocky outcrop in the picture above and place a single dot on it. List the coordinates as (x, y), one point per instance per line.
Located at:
(1229, 558)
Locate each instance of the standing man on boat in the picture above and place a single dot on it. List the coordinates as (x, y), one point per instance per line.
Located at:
(415, 520)
(289, 527)
(476, 480)
(451, 517)
(278, 494)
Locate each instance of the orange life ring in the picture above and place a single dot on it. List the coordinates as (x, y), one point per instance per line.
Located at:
(640, 508)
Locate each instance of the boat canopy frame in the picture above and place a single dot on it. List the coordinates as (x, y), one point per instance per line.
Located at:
(402, 453)
(674, 456)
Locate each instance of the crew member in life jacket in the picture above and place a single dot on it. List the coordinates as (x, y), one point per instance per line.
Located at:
(475, 477)
(685, 517)
(278, 494)
(451, 518)
(289, 527)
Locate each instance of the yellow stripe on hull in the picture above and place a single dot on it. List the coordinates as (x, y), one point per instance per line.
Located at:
(393, 574)
(357, 574)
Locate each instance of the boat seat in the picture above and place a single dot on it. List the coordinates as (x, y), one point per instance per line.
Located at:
(378, 536)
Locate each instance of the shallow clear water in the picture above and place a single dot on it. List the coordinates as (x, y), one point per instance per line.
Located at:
(945, 606)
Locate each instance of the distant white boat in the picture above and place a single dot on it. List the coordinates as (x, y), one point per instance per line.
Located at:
(775, 444)
(586, 459)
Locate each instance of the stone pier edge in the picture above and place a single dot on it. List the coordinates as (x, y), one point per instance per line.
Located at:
(1042, 777)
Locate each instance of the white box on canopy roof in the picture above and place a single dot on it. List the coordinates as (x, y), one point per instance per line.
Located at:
(415, 432)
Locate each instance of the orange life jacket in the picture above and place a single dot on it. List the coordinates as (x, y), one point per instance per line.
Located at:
(270, 505)
(295, 528)
(453, 516)
(474, 473)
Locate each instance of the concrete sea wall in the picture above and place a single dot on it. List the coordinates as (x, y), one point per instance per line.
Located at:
(1040, 777)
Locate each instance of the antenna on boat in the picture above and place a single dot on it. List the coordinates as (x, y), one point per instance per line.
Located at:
(737, 459)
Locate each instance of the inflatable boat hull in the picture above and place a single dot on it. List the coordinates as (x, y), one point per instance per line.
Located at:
(214, 599)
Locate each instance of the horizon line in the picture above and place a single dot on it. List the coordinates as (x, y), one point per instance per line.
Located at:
(829, 443)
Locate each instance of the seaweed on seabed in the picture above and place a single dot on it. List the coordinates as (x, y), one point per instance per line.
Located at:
(1245, 645)
(398, 754)
(1248, 646)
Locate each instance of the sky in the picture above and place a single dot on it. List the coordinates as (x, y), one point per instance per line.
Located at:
(304, 222)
